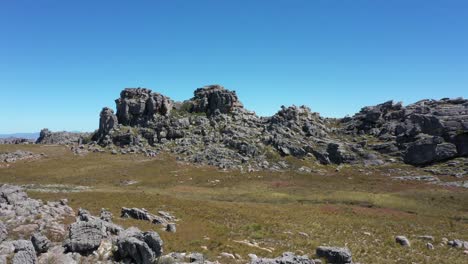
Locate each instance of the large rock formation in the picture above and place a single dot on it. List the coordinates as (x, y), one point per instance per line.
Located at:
(213, 128)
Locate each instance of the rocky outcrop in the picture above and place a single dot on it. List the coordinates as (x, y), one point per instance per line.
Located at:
(424, 132)
(19, 213)
(62, 138)
(213, 128)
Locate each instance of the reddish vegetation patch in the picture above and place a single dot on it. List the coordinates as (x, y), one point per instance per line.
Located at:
(330, 209)
(374, 211)
(279, 184)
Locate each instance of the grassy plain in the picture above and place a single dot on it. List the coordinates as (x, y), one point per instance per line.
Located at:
(358, 207)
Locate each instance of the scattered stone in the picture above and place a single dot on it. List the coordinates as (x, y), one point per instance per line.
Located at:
(426, 237)
(227, 255)
(142, 214)
(457, 243)
(11, 157)
(335, 255)
(171, 227)
(402, 240)
(430, 246)
(285, 258)
(426, 178)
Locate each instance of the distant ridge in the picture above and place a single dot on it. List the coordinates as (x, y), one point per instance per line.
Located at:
(34, 135)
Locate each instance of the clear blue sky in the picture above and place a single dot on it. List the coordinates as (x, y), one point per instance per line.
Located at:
(62, 61)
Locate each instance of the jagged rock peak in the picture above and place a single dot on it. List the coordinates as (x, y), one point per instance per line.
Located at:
(136, 106)
(107, 121)
(213, 99)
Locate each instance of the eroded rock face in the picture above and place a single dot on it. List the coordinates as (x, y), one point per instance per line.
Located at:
(137, 106)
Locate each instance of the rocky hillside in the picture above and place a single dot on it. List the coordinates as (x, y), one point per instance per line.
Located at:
(214, 128)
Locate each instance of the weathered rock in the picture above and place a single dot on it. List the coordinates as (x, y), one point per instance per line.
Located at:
(56, 254)
(107, 122)
(85, 237)
(154, 241)
(139, 247)
(429, 150)
(457, 243)
(335, 255)
(24, 252)
(143, 214)
(106, 215)
(213, 99)
(3, 232)
(136, 106)
(40, 242)
(12, 194)
(196, 257)
(171, 227)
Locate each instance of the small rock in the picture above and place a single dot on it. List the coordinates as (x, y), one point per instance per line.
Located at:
(430, 246)
(227, 255)
(402, 240)
(171, 227)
